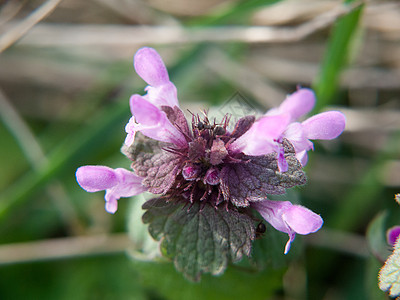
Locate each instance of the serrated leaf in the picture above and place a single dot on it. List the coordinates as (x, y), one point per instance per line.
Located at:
(389, 276)
(199, 239)
(159, 170)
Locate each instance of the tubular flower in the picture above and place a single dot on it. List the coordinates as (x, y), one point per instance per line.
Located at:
(150, 66)
(289, 218)
(220, 175)
(117, 183)
(152, 122)
(324, 126)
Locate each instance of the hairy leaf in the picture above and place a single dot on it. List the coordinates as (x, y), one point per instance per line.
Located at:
(246, 182)
(158, 167)
(199, 239)
(142, 146)
(389, 276)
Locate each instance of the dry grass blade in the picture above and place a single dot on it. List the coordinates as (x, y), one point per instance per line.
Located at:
(63, 248)
(14, 34)
(114, 35)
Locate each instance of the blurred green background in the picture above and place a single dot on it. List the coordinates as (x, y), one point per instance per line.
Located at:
(64, 90)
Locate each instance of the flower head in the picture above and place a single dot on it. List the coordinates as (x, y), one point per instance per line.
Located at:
(204, 163)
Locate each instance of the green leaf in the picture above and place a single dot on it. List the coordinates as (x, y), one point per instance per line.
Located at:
(237, 11)
(236, 283)
(144, 246)
(336, 57)
(389, 276)
(376, 236)
(199, 239)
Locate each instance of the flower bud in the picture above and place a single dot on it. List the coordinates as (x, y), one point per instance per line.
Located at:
(212, 176)
(191, 171)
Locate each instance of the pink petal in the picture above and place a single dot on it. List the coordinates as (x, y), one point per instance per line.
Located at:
(150, 66)
(165, 94)
(298, 104)
(302, 220)
(96, 178)
(145, 112)
(117, 183)
(129, 184)
(288, 218)
(130, 129)
(272, 212)
(296, 136)
(111, 205)
(324, 126)
(153, 123)
(261, 138)
(302, 157)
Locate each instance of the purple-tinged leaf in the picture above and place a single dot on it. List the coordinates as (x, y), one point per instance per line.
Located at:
(142, 146)
(242, 126)
(158, 167)
(242, 183)
(159, 170)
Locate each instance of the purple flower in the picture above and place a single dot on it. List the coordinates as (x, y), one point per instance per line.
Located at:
(324, 126)
(392, 234)
(267, 133)
(287, 217)
(205, 162)
(262, 136)
(117, 183)
(295, 105)
(152, 122)
(150, 66)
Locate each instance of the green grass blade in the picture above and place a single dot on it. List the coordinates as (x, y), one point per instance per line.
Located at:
(336, 56)
(235, 12)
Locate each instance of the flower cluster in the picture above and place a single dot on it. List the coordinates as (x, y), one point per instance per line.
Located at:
(208, 162)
